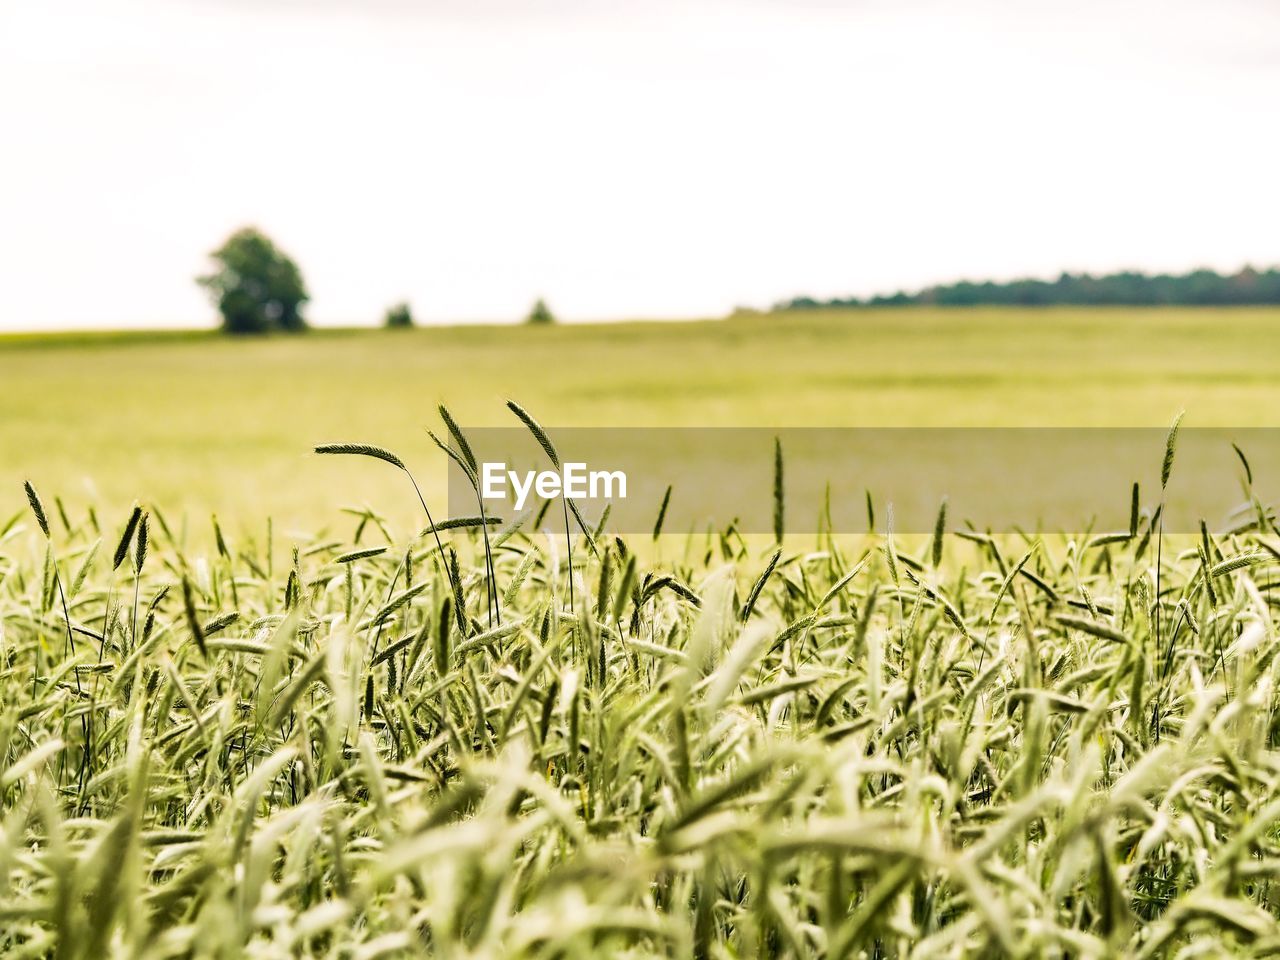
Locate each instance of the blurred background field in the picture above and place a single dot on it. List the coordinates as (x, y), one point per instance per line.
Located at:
(197, 423)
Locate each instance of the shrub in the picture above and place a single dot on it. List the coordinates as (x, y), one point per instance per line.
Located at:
(398, 317)
(540, 313)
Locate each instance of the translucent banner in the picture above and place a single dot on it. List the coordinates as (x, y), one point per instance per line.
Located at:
(851, 480)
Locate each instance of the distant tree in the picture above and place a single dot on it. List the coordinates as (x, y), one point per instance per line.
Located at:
(398, 317)
(540, 313)
(255, 286)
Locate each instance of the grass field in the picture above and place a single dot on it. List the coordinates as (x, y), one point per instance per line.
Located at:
(359, 743)
(197, 423)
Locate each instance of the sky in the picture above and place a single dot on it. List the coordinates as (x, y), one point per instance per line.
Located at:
(622, 159)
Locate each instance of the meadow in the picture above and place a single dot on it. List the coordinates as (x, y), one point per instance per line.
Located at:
(361, 740)
(201, 424)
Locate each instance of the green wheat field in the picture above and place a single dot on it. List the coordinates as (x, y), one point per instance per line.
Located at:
(202, 424)
(314, 728)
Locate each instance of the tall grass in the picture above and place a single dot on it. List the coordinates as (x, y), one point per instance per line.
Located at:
(989, 746)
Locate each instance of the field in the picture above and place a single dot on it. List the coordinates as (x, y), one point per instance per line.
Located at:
(356, 742)
(197, 424)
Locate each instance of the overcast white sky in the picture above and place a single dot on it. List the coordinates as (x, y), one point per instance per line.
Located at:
(623, 159)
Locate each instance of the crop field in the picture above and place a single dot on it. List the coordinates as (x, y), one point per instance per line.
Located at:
(434, 748)
(339, 735)
(200, 424)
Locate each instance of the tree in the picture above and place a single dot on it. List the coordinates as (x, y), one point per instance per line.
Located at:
(256, 287)
(398, 317)
(540, 313)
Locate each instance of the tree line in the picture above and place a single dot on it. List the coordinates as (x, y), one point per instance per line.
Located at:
(1246, 287)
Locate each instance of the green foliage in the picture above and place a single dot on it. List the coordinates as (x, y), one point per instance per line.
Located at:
(540, 314)
(731, 753)
(1246, 287)
(255, 286)
(398, 317)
